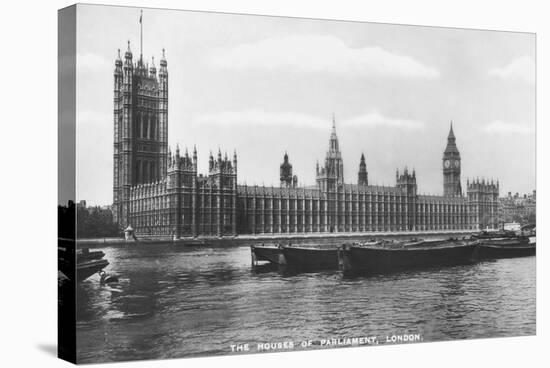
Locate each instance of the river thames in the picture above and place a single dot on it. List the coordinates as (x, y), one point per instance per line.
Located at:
(175, 302)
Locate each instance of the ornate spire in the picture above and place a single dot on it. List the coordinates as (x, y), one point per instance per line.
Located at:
(118, 61)
(362, 176)
(128, 54)
(334, 147)
(153, 69)
(163, 62)
(451, 142)
(451, 133)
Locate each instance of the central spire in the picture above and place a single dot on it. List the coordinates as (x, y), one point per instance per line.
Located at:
(333, 136)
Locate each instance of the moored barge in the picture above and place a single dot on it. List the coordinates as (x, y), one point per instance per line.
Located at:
(269, 253)
(518, 246)
(310, 258)
(405, 255)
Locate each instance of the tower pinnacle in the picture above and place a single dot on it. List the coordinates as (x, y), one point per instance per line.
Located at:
(451, 133)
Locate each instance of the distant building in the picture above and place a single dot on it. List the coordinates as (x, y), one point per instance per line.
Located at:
(518, 208)
(160, 193)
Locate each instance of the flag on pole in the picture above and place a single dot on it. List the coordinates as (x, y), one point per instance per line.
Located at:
(140, 16)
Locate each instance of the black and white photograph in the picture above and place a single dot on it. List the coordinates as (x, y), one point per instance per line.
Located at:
(245, 184)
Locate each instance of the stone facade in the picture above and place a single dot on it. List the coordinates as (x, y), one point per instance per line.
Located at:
(140, 128)
(160, 193)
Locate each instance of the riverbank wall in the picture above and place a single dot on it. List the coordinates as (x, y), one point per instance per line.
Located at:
(318, 238)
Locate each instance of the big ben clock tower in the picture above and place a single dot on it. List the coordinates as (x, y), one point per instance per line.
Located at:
(451, 167)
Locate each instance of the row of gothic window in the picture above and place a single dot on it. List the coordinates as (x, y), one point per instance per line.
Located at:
(146, 126)
(145, 171)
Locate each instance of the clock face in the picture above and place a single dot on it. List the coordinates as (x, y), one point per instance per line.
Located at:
(447, 164)
(457, 163)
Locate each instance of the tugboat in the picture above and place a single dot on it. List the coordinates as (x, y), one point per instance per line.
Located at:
(506, 247)
(406, 255)
(494, 234)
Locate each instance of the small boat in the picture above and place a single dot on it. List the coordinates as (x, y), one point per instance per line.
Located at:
(80, 263)
(85, 254)
(311, 257)
(269, 253)
(88, 268)
(508, 241)
(406, 255)
(506, 248)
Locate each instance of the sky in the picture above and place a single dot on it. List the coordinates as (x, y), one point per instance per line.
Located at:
(265, 85)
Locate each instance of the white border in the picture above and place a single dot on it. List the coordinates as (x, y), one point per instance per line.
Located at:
(29, 179)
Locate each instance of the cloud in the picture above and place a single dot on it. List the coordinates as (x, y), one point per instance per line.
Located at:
(499, 126)
(90, 117)
(315, 53)
(521, 69)
(262, 118)
(374, 119)
(90, 61)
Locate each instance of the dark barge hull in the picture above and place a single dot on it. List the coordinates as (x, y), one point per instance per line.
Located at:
(311, 258)
(374, 260)
(267, 253)
(87, 269)
(492, 251)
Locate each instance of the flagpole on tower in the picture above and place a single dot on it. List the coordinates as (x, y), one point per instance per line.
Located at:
(141, 36)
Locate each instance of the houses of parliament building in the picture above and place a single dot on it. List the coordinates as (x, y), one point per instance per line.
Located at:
(160, 193)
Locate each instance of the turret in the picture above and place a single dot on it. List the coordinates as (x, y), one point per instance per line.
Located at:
(362, 176)
(118, 64)
(286, 172)
(153, 69)
(407, 181)
(128, 64)
(163, 65)
(210, 162)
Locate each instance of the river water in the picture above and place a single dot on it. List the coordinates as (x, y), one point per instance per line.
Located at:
(180, 302)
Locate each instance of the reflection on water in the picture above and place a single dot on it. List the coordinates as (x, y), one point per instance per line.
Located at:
(178, 302)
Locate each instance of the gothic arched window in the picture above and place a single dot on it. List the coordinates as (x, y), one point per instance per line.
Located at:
(145, 126)
(137, 174)
(153, 127)
(138, 125)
